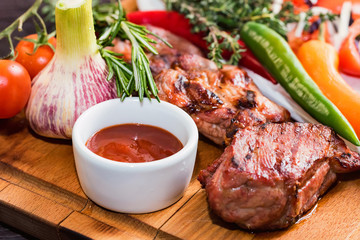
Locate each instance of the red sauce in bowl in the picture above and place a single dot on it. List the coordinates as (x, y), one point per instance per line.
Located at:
(134, 143)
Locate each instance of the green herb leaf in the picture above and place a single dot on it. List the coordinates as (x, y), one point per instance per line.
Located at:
(222, 20)
(111, 23)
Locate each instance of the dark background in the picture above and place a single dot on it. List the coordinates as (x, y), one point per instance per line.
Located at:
(9, 11)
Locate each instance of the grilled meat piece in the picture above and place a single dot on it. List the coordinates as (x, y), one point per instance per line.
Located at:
(167, 56)
(273, 173)
(179, 44)
(219, 100)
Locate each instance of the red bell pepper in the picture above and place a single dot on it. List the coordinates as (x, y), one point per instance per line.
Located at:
(179, 25)
(349, 54)
(170, 21)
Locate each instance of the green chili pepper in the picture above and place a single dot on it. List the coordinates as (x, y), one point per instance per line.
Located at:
(275, 54)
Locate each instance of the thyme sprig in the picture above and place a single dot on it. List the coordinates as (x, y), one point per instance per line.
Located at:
(221, 21)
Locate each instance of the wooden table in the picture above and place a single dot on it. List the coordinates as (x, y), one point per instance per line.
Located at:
(40, 195)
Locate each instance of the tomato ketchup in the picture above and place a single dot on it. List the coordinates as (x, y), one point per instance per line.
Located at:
(134, 143)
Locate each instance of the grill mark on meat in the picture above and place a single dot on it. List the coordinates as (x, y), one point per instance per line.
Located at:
(263, 126)
(298, 139)
(248, 156)
(230, 134)
(234, 162)
(346, 155)
(342, 164)
(181, 84)
(202, 95)
(285, 169)
(223, 99)
(256, 119)
(247, 79)
(248, 101)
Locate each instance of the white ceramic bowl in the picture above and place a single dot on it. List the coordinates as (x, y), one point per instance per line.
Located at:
(135, 187)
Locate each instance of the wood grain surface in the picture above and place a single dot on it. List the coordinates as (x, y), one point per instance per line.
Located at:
(40, 195)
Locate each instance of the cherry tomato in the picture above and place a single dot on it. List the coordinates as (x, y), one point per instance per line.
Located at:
(34, 63)
(15, 87)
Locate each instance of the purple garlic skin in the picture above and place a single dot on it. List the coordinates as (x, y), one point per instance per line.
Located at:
(60, 94)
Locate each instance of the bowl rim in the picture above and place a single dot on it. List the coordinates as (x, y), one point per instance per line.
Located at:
(189, 124)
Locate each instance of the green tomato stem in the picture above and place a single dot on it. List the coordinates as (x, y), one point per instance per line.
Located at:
(17, 24)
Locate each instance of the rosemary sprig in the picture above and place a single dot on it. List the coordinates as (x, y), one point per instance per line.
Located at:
(221, 21)
(110, 21)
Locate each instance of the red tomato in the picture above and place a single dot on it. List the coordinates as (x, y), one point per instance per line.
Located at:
(34, 63)
(15, 87)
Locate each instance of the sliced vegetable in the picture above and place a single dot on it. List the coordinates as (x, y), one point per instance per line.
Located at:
(15, 87)
(349, 54)
(34, 61)
(326, 75)
(167, 20)
(276, 55)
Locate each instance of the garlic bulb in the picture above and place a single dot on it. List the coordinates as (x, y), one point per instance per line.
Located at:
(75, 79)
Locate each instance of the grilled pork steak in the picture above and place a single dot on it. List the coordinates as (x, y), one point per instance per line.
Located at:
(219, 100)
(273, 173)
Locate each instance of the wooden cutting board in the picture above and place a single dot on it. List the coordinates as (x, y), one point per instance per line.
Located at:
(41, 195)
